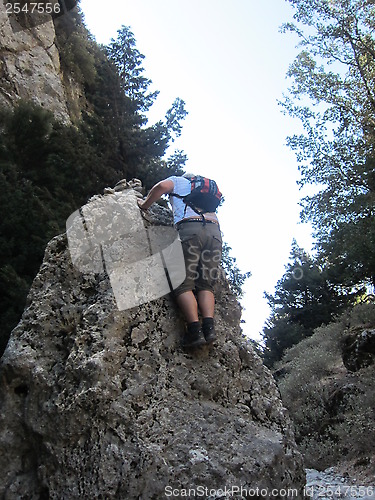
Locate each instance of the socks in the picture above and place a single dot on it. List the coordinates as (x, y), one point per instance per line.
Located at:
(193, 327)
(207, 323)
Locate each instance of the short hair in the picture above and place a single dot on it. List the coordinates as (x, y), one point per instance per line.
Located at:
(188, 175)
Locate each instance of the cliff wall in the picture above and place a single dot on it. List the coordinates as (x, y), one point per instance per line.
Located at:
(30, 66)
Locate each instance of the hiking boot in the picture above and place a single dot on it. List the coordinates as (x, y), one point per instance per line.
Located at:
(210, 334)
(194, 336)
(209, 330)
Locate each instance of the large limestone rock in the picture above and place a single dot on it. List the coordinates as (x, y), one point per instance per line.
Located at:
(30, 65)
(98, 402)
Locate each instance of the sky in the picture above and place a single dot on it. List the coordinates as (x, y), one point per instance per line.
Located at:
(228, 61)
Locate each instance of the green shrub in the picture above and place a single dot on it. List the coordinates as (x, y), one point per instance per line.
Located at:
(356, 430)
(333, 410)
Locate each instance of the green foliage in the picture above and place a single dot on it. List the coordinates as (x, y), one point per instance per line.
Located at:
(128, 61)
(76, 48)
(333, 94)
(48, 169)
(176, 161)
(46, 172)
(358, 420)
(351, 245)
(174, 116)
(278, 336)
(235, 277)
(305, 298)
(332, 412)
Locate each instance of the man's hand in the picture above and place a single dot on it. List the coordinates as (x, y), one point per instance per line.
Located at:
(162, 187)
(141, 204)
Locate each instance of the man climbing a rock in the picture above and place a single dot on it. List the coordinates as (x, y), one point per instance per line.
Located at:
(192, 198)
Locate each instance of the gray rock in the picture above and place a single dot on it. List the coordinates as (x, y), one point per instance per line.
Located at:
(359, 350)
(30, 66)
(102, 403)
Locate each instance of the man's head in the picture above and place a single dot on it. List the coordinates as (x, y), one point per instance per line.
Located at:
(188, 176)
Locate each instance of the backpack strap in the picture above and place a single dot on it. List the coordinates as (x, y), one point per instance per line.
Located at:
(193, 207)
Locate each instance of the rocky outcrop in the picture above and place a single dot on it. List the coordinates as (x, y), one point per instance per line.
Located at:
(99, 401)
(359, 350)
(30, 65)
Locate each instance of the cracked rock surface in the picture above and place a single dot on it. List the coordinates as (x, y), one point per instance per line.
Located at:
(102, 403)
(30, 65)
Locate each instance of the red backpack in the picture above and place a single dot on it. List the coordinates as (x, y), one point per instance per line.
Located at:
(204, 195)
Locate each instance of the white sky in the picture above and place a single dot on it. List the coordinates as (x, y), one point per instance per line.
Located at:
(227, 60)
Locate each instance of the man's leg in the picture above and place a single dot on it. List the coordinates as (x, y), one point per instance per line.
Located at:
(185, 297)
(187, 303)
(206, 302)
(209, 266)
(194, 335)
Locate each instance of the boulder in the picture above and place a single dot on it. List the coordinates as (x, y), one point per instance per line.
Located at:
(101, 401)
(359, 350)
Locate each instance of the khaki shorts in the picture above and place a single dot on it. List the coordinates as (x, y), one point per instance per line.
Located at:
(202, 247)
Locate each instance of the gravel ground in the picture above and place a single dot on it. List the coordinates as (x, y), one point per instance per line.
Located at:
(329, 485)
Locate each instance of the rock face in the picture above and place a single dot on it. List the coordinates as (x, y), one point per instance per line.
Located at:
(30, 65)
(359, 350)
(102, 403)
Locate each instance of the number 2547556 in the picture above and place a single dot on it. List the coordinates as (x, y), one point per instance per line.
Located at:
(33, 8)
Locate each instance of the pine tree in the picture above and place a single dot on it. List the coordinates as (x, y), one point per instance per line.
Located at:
(305, 298)
(128, 61)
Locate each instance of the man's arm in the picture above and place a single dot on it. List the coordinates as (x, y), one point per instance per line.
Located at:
(162, 187)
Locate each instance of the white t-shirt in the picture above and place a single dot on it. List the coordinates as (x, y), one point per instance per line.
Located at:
(182, 186)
